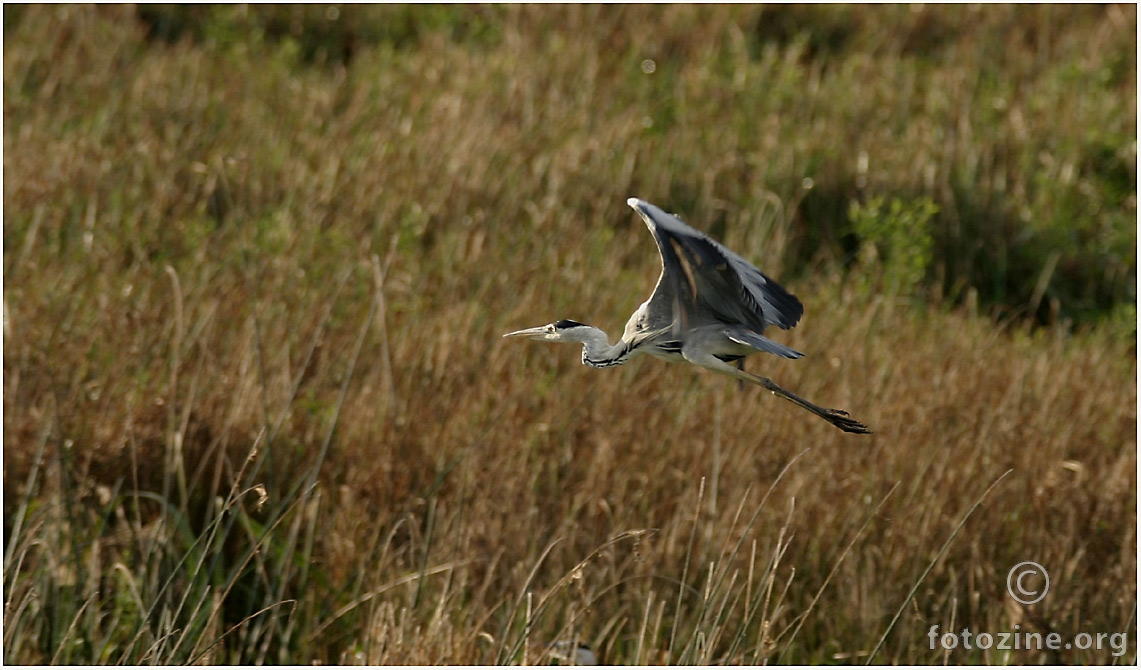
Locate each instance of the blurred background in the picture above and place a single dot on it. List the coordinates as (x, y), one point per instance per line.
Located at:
(258, 259)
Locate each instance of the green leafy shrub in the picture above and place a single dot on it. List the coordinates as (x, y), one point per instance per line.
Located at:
(896, 239)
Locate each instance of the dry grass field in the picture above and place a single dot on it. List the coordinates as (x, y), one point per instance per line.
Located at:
(257, 263)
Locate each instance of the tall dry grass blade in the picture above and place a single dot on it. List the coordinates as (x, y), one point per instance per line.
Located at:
(176, 463)
(305, 485)
(368, 597)
(715, 475)
(568, 577)
(429, 533)
(803, 616)
(25, 249)
(135, 593)
(252, 279)
(238, 626)
(639, 657)
(314, 342)
(14, 537)
(931, 565)
(208, 540)
(311, 515)
(460, 518)
(14, 620)
(744, 533)
(524, 592)
(685, 567)
(256, 547)
(366, 325)
(527, 627)
(382, 318)
(258, 455)
(65, 641)
(763, 607)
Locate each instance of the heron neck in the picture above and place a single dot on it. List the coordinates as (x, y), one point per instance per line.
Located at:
(597, 351)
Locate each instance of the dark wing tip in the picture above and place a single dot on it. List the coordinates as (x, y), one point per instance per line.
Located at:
(786, 309)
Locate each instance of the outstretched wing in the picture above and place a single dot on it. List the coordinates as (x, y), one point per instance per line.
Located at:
(701, 277)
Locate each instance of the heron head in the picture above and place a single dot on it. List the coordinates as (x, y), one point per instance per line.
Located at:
(563, 330)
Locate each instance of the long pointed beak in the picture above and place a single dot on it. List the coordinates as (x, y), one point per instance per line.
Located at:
(529, 332)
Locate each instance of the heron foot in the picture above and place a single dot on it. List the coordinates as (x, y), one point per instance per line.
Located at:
(841, 419)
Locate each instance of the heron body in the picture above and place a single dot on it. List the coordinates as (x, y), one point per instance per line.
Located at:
(710, 307)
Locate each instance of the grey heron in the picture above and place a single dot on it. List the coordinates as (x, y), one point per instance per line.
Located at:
(710, 307)
(568, 653)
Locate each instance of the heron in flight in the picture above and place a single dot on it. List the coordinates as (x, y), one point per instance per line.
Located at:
(710, 307)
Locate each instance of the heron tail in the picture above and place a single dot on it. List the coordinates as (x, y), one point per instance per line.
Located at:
(760, 343)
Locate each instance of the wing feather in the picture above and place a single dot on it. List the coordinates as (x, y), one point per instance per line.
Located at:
(713, 278)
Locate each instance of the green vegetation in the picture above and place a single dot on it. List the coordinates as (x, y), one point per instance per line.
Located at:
(901, 235)
(257, 262)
